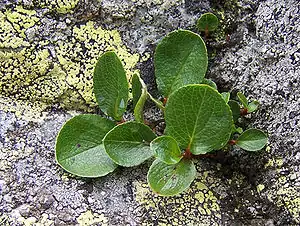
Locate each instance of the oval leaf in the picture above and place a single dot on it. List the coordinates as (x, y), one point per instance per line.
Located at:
(166, 149)
(180, 59)
(79, 148)
(170, 180)
(198, 118)
(128, 143)
(110, 85)
(252, 140)
(207, 22)
(235, 108)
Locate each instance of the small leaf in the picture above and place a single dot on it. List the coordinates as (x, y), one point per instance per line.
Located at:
(128, 144)
(235, 129)
(79, 148)
(226, 96)
(253, 106)
(166, 149)
(252, 140)
(198, 117)
(139, 106)
(170, 180)
(209, 82)
(136, 89)
(207, 22)
(110, 85)
(242, 99)
(180, 59)
(235, 108)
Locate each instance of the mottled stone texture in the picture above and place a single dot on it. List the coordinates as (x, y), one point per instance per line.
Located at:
(47, 53)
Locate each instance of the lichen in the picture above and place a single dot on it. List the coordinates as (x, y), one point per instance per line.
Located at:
(60, 6)
(88, 218)
(284, 192)
(36, 75)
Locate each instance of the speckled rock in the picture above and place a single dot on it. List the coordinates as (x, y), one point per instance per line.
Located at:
(47, 53)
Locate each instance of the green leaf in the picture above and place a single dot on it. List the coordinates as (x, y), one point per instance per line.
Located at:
(166, 149)
(253, 106)
(207, 22)
(226, 96)
(180, 59)
(198, 118)
(170, 180)
(252, 140)
(242, 99)
(79, 148)
(209, 82)
(235, 108)
(110, 85)
(136, 89)
(128, 144)
(139, 106)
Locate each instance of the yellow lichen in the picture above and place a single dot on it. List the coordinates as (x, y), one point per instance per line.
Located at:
(88, 218)
(32, 79)
(260, 187)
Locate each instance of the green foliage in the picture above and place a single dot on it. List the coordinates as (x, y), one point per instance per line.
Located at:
(169, 180)
(249, 107)
(166, 149)
(139, 97)
(198, 119)
(79, 147)
(180, 59)
(128, 144)
(207, 22)
(252, 140)
(210, 83)
(110, 85)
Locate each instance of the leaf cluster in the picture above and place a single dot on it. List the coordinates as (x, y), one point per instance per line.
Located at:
(198, 119)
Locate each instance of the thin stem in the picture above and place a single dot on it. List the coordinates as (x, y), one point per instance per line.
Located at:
(157, 102)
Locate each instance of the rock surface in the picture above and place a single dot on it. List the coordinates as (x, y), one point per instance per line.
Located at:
(47, 53)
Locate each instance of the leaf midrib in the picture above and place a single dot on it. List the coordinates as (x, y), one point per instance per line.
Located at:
(199, 110)
(81, 152)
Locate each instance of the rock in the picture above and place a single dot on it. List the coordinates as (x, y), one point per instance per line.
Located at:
(47, 53)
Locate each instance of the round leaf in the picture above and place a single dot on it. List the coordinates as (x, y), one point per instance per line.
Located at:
(170, 180)
(252, 140)
(79, 148)
(180, 59)
(207, 22)
(198, 118)
(128, 143)
(166, 149)
(235, 108)
(110, 85)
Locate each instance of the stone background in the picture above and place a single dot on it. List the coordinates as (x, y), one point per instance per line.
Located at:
(47, 53)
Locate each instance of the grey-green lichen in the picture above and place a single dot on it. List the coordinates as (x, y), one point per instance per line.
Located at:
(35, 75)
(285, 192)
